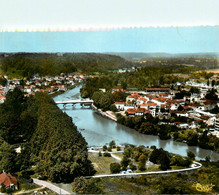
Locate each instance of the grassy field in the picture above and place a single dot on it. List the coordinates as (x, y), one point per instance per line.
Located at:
(120, 155)
(101, 164)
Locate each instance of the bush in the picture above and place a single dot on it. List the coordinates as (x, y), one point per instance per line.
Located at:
(82, 186)
(115, 167)
(104, 148)
(118, 148)
(106, 154)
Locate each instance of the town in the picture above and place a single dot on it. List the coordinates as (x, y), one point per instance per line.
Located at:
(164, 102)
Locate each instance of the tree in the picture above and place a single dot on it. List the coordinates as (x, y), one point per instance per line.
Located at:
(104, 148)
(124, 84)
(164, 161)
(7, 157)
(82, 186)
(127, 151)
(51, 144)
(194, 90)
(106, 154)
(113, 108)
(148, 128)
(191, 155)
(112, 144)
(211, 95)
(180, 108)
(115, 167)
(142, 162)
(124, 162)
(118, 148)
(192, 138)
(3, 81)
(213, 83)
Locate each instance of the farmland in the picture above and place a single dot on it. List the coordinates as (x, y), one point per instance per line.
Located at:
(101, 163)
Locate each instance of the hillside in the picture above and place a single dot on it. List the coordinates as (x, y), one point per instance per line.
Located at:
(27, 64)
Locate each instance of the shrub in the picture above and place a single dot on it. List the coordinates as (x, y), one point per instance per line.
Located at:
(106, 154)
(115, 167)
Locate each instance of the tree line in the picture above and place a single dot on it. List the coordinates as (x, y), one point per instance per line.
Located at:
(48, 139)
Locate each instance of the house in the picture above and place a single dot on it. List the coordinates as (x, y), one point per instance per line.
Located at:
(132, 98)
(118, 89)
(182, 125)
(179, 113)
(120, 105)
(137, 111)
(8, 181)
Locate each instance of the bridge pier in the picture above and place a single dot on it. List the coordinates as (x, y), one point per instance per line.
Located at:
(73, 106)
(64, 105)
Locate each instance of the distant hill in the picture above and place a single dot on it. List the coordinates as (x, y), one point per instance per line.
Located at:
(138, 56)
(27, 64)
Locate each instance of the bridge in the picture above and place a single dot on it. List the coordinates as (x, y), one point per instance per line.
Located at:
(73, 102)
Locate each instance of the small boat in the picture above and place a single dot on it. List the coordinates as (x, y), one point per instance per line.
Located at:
(81, 129)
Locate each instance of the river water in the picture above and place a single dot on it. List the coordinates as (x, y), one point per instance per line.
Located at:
(98, 130)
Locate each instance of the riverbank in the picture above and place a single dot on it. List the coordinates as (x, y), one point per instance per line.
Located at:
(99, 130)
(61, 92)
(107, 114)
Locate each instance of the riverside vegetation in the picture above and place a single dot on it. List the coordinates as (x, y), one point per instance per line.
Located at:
(51, 146)
(148, 124)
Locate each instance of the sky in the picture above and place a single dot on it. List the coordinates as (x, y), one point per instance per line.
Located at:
(109, 26)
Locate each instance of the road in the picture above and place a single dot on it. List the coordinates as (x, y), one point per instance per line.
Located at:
(194, 166)
(50, 186)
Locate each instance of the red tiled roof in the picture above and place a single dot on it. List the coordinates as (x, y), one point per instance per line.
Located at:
(165, 105)
(134, 110)
(210, 102)
(163, 94)
(135, 95)
(130, 111)
(143, 99)
(7, 179)
(194, 104)
(117, 89)
(160, 99)
(187, 107)
(151, 104)
(204, 117)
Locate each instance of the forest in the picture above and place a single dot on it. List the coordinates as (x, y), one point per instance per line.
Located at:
(27, 64)
(20, 65)
(48, 139)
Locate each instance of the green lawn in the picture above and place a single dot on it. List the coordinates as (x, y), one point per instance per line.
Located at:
(101, 164)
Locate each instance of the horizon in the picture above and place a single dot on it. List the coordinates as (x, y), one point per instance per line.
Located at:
(109, 53)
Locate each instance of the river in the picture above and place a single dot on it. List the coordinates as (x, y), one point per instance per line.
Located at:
(98, 130)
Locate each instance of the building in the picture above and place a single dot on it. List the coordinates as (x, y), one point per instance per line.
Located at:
(120, 105)
(8, 181)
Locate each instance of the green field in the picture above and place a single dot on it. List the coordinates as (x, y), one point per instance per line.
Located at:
(101, 164)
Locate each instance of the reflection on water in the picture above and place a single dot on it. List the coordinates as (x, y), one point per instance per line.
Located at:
(99, 130)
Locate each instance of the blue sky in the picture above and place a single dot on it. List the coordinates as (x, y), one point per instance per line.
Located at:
(150, 39)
